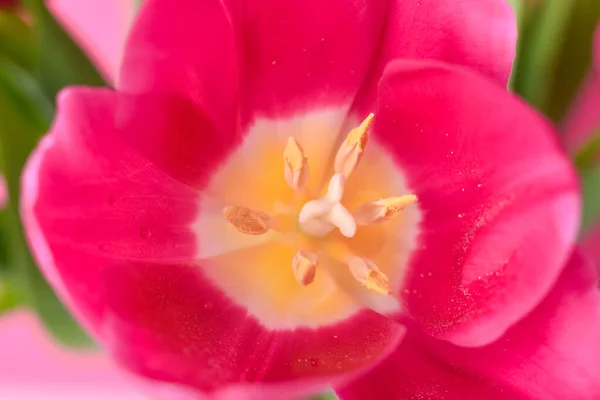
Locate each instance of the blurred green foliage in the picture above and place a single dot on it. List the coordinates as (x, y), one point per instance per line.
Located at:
(554, 52)
(16, 40)
(553, 58)
(586, 161)
(36, 61)
(60, 61)
(590, 183)
(587, 156)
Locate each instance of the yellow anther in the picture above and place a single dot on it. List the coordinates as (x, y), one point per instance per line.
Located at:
(381, 210)
(304, 265)
(368, 274)
(296, 169)
(246, 220)
(378, 282)
(359, 136)
(350, 152)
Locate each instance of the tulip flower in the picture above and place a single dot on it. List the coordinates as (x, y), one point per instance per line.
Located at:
(33, 367)
(274, 188)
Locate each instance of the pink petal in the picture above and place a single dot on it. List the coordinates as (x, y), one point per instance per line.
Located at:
(100, 26)
(281, 57)
(292, 58)
(300, 55)
(185, 47)
(33, 367)
(174, 135)
(3, 192)
(188, 333)
(114, 234)
(499, 199)
(552, 354)
(584, 118)
(478, 34)
(91, 200)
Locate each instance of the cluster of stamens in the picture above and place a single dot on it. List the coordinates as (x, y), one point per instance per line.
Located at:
(318, 218)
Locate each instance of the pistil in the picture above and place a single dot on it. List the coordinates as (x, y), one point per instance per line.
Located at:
(319, 217)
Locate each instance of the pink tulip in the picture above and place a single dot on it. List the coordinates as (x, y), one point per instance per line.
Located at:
(210, 225)
(33, 367)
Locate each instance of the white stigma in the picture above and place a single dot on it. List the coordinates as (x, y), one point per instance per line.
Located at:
(319, 217)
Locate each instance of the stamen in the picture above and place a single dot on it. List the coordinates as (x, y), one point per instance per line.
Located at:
(304, 265)
(368, 274)
(381, 210)
(246, 220)
(296, 169)
(350, 152)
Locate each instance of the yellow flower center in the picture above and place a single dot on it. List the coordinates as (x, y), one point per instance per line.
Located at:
(303, 230)
(316, 219)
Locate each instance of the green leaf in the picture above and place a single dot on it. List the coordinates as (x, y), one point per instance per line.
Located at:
(21, 88)
(574, 59)
(16, 40)
(61, 62)
(518, 7)
(24, 116)
(586, 160)
(588, 154)
(541, 38)
(554, 52)
(5, 266)
(9, 297)
(590, 182)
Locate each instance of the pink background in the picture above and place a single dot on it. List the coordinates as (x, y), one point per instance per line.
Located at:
(32, 367)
